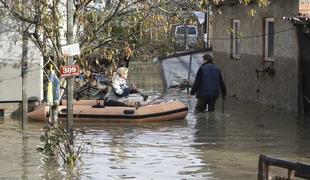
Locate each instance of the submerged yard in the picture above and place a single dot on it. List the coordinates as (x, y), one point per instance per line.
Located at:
(203, 146)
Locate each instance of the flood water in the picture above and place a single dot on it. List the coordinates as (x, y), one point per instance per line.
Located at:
(203, 146)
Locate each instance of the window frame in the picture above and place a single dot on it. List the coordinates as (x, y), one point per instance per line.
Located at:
(235, 39)
(266, 39)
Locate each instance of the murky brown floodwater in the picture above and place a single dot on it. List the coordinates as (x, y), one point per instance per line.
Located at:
(206, 146)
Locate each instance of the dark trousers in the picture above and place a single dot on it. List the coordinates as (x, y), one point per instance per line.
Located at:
(114, 103)
(203, 102)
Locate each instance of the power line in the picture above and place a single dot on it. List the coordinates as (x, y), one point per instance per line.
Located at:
(251, 36)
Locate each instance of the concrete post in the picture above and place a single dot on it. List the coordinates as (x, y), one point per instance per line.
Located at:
(70, 12)
(24, 74)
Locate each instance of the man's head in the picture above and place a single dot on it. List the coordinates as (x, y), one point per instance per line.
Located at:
(207, 58)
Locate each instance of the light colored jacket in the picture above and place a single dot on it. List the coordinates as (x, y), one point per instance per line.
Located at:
(118, 85)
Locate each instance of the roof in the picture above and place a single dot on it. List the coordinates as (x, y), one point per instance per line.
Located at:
(303, 16)
(304, 5)
(304, 8)
(299, 19)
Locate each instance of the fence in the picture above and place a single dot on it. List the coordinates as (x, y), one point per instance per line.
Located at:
(294, 169)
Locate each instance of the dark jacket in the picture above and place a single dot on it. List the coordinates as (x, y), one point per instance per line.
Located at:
(208, 81)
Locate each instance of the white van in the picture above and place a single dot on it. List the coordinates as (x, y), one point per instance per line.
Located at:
(191, 33)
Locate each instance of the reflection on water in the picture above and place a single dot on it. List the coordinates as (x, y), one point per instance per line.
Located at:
(204, 146)
(231, 142)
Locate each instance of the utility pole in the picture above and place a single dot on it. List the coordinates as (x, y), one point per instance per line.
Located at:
(70, 11)
(24, 66)
(24, 81)
(184, 8)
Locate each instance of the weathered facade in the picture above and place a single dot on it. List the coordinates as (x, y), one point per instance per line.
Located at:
(302, 24)
(259, 55)
(10, 72)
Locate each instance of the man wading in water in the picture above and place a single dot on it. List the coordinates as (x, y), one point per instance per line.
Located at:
(208, 81)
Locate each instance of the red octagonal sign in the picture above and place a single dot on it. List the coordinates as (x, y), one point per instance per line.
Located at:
(67, 71)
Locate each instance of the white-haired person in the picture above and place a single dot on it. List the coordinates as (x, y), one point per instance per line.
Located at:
(119, 92)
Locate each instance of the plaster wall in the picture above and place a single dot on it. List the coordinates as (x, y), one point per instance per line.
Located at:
(280, 89)
(10, 69)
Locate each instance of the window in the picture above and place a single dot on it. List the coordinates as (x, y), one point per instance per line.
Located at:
(191, 30)
(236, 38)
(269, 39)
(180, 30)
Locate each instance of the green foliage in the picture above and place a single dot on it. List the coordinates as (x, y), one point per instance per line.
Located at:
(246, 2)
(139, 22)
(144, 24)
(252, 12)
(237, 34)
(56, 141)
(263, 3)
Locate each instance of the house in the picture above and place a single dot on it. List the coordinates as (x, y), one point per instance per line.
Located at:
(11, 65)
(10, 71)
(302, 24)
(260, 55)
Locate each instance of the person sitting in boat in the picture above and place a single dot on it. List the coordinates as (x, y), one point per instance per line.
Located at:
(119, 91)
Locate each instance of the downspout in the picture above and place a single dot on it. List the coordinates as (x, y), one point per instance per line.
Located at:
(300, 99)
(207, 20)
(205, 28)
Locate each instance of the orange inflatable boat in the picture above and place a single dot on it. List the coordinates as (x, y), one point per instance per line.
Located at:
(83, 111)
